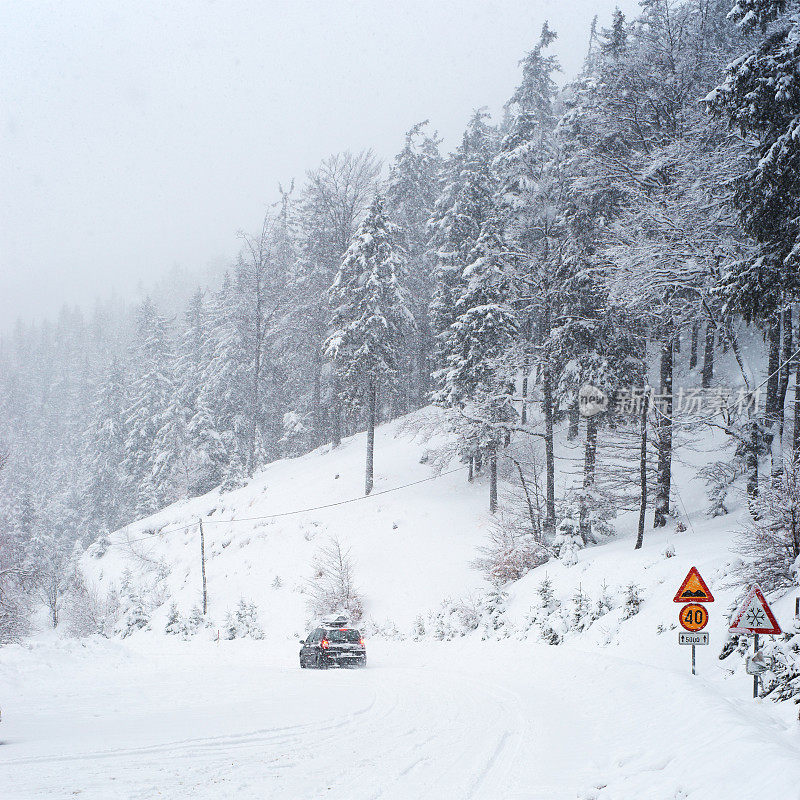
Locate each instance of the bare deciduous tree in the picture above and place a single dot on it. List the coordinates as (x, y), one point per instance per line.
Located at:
(331, 587)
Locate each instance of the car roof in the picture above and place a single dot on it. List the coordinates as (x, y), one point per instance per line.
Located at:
(333, 626)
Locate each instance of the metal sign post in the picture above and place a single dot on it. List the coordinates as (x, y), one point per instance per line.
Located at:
(755, 616)
(693, 617)
(755, 677)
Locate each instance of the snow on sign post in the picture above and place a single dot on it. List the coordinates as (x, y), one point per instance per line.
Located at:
(693, 616)
(755, 616)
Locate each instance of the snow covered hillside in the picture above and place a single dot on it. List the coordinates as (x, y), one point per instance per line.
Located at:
(467, 698)
(412, 545)
(411, 548)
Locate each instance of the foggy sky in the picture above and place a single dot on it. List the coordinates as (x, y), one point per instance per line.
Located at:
(139, 136)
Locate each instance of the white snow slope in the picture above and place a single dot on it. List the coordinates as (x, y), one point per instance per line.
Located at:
(612, 713)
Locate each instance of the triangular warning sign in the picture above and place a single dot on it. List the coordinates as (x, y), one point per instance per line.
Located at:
(754, 615)
(693, 589)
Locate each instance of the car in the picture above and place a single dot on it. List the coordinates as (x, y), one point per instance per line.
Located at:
(333, 644)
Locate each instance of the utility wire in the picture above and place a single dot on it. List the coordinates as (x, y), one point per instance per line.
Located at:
(296, 511)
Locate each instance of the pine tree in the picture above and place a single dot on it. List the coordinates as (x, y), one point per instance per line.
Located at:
(109, 497)
(411, 192)
(761, 98)
(369, 318)
(530, 201)
(475, 380)
(149, 412)
(458, 216)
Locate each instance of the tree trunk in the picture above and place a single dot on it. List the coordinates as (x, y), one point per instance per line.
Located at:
(751, 462)
(372, 392)
(786, 367)
(493, 479)
(574, 420)
(423, 364)
(550, 470)
(695, 341)
(642, 475)
(773, 369)
(524, 412)
(796, 429)
(664, 428)
(708, 356)
(773, 382)
(316, 401)
(336, 413)
(727, 334)
(589, 461)
(531, 514)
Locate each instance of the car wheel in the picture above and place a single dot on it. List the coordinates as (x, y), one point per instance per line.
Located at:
(362, 662)
(303, 664)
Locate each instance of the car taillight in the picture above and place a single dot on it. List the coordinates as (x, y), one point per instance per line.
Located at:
(361, 641)
(324, 644)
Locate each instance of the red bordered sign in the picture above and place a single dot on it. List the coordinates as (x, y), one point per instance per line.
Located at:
(693, 589)
(754, 615)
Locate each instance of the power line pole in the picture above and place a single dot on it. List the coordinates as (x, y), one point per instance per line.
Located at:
(203, 565)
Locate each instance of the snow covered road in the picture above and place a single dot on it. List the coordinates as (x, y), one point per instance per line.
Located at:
(463, 719)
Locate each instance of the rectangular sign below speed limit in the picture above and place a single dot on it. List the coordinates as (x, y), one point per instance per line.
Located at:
(692, 638)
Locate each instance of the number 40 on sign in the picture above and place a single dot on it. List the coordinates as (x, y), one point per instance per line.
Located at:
(693, 616)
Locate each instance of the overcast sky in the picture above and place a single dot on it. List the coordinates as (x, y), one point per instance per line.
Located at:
(139, 136)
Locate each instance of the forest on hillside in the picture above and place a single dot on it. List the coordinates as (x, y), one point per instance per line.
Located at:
(597, 235)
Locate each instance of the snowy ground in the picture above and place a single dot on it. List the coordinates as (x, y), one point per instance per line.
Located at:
(611, 713)
(454, 720)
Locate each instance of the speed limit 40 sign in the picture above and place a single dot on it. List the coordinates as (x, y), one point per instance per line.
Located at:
(693, 617)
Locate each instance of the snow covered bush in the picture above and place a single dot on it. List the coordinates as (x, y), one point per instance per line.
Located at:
(771, 541)
(386, 629)
(331, 587)
(633, 601)
(511, 553)
(88, 612)
(493, 619)
(247, 621)
(581, 610)
(100, 546)
(15, 606)
(16, 579)
(134, 612)
(455, 618)
(174, 625)
(546, 616)
(242, 623)
(782, 682)
(568, 540)
(720, 477)
(603, 605)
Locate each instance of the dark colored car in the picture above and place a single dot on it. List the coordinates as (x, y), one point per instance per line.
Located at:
(329, 646)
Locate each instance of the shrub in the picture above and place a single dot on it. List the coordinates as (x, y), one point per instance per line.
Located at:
(331, 589)
(771, 542)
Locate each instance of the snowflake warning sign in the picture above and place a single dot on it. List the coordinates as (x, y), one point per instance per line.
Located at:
(754, 615)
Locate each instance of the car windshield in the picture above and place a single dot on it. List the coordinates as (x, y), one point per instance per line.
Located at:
(347, 635)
